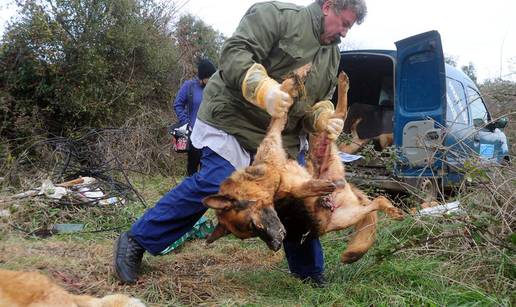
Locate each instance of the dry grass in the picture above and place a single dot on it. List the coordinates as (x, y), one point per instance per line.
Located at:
(197, 275)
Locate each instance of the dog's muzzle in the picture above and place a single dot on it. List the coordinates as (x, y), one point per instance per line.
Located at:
(276, 239)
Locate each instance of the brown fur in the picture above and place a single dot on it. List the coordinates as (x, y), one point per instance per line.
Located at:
(249, 193)
(350, 206)
(245, 202)
(384, 140)
(33, 289)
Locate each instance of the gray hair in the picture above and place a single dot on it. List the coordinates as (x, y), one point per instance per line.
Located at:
(357, 6)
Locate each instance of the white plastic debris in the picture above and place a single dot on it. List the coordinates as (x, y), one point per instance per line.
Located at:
(453, 207)
(92, 194)
(110, 201)
(345, 157)
(5, 213)
(87, 181)
(78, 188)
(49, 190)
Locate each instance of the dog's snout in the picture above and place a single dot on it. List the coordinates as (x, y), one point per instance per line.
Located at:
(275, 245)
(282, 232)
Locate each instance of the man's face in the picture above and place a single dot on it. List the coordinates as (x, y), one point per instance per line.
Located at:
(336, 24)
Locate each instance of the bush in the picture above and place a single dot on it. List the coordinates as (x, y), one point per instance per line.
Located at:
(73, 65)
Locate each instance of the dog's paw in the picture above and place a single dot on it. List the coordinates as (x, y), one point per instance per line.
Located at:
(395, 213)
(343, 81)
(322, 187)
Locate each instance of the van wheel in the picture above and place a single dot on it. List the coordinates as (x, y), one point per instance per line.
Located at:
(428, 189)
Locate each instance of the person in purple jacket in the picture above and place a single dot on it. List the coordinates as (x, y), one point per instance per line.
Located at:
(187, 103)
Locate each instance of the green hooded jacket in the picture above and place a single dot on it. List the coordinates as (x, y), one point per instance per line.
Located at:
(282, 37)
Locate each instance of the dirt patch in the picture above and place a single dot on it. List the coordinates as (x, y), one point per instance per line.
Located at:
(198, 274)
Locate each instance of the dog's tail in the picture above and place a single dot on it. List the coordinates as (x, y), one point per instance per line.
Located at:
(363, 238)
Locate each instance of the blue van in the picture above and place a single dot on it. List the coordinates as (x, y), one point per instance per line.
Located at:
(435, 113)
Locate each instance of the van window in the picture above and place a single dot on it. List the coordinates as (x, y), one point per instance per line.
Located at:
(386, 92)
(456, 107)
(477, 108)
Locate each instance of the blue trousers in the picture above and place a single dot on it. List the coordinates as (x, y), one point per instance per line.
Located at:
(177, 211)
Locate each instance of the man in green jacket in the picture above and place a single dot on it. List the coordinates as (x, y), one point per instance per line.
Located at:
(272, 40)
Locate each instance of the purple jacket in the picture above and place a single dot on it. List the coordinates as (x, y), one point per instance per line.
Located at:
(186, 109)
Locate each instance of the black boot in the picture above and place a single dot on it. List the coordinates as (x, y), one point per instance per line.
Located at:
(127, 258)
(316, 281)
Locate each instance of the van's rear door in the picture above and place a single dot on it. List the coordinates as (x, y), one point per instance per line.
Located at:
(420, 101)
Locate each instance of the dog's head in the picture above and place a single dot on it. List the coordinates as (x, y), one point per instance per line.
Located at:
(245, 208)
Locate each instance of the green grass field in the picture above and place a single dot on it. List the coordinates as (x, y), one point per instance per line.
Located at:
(413, 263)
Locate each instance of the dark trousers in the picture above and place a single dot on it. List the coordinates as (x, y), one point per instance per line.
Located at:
(178, 210)
(193, 160)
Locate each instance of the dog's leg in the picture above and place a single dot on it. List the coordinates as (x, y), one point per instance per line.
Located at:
(323, 153)
(385, 140)
(312, 188)
(388, 208)
(384, 204)
(349, 214)
(298, 183)
(363, 238)
(365, 229)
(341, 110)
(354, 206)
(271, 148)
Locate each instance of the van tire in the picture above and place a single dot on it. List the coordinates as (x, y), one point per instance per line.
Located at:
(428, 189)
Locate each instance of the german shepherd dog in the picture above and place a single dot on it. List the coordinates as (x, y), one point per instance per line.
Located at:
(275, 193)
(22, 289)
(245, 202)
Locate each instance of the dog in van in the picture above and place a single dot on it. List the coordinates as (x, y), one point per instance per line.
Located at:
(33, 289)
(277, 195)
(381, 141)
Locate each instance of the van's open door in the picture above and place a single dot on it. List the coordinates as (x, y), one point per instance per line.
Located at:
(420, 104)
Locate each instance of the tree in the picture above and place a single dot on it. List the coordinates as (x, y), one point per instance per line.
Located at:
(450, 60)
(470, 71)
(67, 64)
(78, 63)
(195, 39)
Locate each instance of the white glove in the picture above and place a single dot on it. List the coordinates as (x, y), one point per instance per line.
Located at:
(334, 128)
(277, 102)
(263, 91)
(324, 120)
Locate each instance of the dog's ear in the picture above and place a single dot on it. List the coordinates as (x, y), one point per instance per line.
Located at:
(218, 202)
(255, 171)
(217, 233)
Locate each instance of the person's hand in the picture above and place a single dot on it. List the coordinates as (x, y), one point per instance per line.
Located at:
(325, 120)
(276, 101)
(264, 92)
(334, 128)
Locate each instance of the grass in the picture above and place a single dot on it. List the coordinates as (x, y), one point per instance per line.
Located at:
(402, 269)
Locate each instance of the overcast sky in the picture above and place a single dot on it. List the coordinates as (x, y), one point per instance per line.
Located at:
(481, 32)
